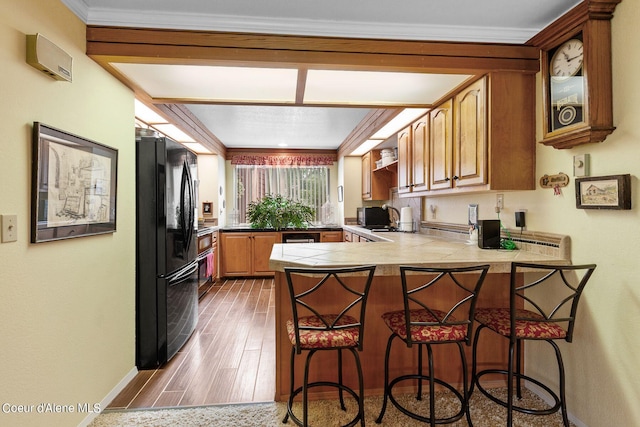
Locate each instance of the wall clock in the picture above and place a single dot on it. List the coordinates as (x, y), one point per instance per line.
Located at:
(566, 85)
(576, 75)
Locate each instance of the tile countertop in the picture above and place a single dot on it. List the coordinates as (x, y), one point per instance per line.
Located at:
(389, 250)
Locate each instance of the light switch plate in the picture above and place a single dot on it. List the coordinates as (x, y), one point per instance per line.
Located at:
(9, 228)
(581, 165)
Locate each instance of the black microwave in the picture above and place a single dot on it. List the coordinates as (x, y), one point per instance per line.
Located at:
(373, 217)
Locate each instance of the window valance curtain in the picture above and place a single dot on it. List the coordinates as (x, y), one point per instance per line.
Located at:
(284, 160)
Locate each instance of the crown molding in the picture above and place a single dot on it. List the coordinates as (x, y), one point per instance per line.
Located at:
(308, 27)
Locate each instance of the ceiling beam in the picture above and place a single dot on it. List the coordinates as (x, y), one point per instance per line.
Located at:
(161, 46)
(188, 123)
(107, 45)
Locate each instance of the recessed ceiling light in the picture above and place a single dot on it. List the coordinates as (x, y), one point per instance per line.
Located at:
(283, 144)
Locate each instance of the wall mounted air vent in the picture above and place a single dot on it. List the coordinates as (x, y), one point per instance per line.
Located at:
(48, 58)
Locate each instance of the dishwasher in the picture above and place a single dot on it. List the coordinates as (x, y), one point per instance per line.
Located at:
(300, 237)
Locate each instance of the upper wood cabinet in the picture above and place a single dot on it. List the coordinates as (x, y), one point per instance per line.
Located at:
(441, 146)
(413, 147)
(404, 161)
(376, 182)
(470, 135)
(481, 139)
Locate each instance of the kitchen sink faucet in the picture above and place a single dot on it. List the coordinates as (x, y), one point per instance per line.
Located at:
(387, 207)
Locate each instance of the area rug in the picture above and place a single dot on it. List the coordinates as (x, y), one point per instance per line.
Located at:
(326, 413)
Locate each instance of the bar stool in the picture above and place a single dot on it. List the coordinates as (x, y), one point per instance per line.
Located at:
(426, 322)
(313, 330)
(551, 298)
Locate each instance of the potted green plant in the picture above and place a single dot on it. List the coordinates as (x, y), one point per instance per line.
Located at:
(278, 212)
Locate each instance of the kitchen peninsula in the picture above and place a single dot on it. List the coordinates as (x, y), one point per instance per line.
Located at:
(435, 246)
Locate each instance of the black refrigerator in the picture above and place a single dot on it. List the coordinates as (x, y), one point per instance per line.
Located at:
(166, 249)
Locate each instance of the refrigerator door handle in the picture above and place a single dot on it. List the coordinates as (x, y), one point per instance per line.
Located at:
(180, 275)
(187, 205)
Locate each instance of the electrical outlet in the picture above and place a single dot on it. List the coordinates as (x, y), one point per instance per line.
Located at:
(9, 228)
(500, 201)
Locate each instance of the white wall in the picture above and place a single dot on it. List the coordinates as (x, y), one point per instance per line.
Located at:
(603, 385)
(67, 307)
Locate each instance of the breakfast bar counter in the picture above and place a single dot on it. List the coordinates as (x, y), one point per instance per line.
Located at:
(435, 248)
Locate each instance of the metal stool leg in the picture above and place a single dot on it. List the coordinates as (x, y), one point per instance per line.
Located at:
(386, 379)
(465, 388)
(419, 395)
(344, 408)
(292, 380)
(432, 388)
(563, 401)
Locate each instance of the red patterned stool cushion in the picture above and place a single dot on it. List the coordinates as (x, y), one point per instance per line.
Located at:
(310, 339)
(395, 320)
(499, 320)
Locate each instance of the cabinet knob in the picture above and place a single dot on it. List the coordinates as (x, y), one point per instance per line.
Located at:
(456, 177)
(447, 179)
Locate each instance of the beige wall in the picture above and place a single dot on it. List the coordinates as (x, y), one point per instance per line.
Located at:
(603, 385)
(208, 183)
(67, 307)
(352, 182)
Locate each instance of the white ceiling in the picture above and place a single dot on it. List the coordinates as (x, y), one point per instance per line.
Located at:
(494, 21)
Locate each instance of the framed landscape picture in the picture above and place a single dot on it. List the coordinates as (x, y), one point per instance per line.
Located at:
(604, 192)
(73, 186)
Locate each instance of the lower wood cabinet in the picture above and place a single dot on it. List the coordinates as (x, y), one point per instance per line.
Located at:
(331, 236)
(246, 254)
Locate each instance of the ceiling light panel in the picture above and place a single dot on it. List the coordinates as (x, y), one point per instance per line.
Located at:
(254, 126)
(366, 146)
(197, 147)
(146, 114)
(207, 83)
(399, 122)
(173, 132)
(377, 88)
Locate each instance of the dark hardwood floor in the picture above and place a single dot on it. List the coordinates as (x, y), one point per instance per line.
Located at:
(230, 358)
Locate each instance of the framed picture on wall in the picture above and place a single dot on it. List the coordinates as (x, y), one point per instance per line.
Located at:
(604, 192)
(207, 208)
(73, 186)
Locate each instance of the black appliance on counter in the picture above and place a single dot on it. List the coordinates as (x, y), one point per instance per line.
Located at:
(373, 217)
(489, 234)
(166, 249)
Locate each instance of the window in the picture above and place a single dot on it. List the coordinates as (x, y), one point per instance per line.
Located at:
(306, 184)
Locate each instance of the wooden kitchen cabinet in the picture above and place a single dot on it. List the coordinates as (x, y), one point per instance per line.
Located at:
(441, 146)
(331, 236)
(377, 182)
(470, 135)
(483, 138)
(246, 254)
(413, 148)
